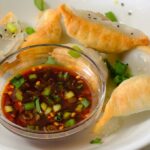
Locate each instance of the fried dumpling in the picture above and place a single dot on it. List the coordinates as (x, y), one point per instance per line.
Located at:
(101, 34)
(48, 31)
(131, 96)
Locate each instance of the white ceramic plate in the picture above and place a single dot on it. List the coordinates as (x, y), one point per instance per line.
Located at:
(135, 130)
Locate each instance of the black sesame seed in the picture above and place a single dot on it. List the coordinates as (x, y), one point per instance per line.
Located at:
(118, 26)
(89, 17)
(21, 31)
(5, 30)
(129, 13)
(94, 18)
(122, 4)
(89, 14)
(14, 36)
(1, 36)
(25, 40)
(132, 33)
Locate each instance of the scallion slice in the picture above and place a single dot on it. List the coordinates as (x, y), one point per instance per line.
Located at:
(96, 141)
(110, 15)
(37, 105)
(70, 122)
(40, 4)
(29, 106)
(11, 27)
(74, 53)
(29, 30)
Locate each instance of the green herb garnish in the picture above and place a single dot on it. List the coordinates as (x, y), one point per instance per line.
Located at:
(18, 81)
(40, 4)
(85, 102)
(70, 123)
(119, 71)
(37, 104)
(29, 30)
(51, 61)
(74, 53)
(96, 141)
(32, 76)
(77, 48)
(111, 16)
(29, 106)
(58, 117)
(19, 95)
(46, 91)
(11, 27)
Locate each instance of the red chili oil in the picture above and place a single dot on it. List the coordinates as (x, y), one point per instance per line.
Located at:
(47, 98)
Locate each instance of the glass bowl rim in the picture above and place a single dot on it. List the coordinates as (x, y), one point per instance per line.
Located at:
(100, 99)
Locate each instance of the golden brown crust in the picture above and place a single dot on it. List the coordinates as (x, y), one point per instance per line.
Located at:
(97, 35)
(131, 96)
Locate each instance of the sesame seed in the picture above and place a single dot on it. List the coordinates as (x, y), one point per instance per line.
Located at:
(132, 33)
(122, 4)
(1, 36)
(5, 30)
(129, 13)
(89, 14)
(89, 17)
(118, 26)
(94, 18)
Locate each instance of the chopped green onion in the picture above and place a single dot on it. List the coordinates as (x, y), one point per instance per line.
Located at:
(51, 61)
(110, 15)
(119, 71)
(29, 106)
(66, 75)
(85, 102)
(118, 79)
(56, 107)
(66, 115)
(47, 91)
(77, 48)
(18, 81)
(29, 30)
(79, 108)
(44, 106)
(32, 76)
(74, 53)
(59, 117)
(70, 123)
(69, 95)
(119, 67)
(96, 141)
(8, 108)
(37, 105)
(40, 4)
(48, 110)
(11, 27)
(19, 95)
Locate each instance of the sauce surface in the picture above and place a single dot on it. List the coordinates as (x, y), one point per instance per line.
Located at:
(46, 98)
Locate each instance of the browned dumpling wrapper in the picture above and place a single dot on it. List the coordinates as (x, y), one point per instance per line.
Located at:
(101, 34)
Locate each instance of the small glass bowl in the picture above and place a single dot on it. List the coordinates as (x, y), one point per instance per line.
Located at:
(37, 55)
